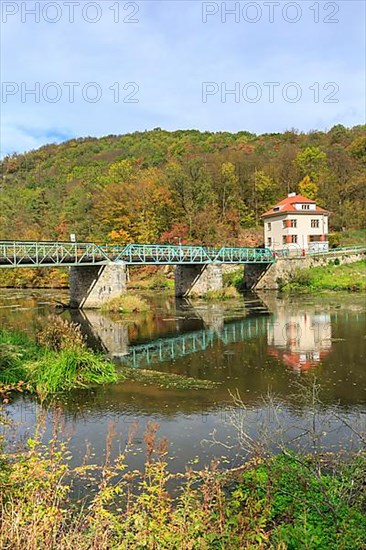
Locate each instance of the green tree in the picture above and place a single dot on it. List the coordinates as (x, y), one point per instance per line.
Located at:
(311, 161)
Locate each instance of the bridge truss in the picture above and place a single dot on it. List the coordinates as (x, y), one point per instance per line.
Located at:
(58, 254)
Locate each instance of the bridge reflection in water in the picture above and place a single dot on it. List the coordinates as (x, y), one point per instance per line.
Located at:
(298, 339)
(169, 349)
(112, 337)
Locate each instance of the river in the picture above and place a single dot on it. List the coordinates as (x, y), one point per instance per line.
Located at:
(269, 350)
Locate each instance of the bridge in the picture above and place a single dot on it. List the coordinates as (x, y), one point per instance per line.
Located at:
(56, 254)
(98, 272)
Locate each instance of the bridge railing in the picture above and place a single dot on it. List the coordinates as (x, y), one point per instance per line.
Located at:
(297, 252)
(45, 253)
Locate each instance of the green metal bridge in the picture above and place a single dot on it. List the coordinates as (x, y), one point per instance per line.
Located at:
(57, 254)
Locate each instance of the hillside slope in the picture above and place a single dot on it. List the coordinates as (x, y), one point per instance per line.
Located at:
(184, 185)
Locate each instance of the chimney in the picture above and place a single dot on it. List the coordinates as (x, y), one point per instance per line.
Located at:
(291, 195)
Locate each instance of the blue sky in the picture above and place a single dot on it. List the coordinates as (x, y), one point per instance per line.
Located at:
(168, 58)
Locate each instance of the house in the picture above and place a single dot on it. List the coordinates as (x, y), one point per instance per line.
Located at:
(296, 223)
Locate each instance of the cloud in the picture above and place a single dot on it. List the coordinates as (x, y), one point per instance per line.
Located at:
(162, 62)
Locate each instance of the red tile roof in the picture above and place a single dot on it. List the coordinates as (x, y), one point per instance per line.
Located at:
(287, 205)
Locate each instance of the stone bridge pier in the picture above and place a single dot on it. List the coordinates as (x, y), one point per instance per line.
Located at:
(196, 280)
(92, 286)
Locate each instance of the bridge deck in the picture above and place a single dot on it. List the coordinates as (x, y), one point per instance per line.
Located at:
(57, 254)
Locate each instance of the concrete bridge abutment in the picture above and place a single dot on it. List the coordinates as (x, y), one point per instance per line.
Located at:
(196, 280)
(93, 286)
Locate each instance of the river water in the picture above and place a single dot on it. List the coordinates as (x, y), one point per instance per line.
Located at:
(297, 364)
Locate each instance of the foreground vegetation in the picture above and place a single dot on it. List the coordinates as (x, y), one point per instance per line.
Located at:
(332, 277)
(288, 501)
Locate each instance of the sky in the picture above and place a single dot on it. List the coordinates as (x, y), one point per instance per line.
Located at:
(78, 68)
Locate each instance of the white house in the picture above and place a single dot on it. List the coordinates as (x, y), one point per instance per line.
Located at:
(296, 223)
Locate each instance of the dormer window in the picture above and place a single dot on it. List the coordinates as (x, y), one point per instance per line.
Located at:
(276, 209)
(305, 207)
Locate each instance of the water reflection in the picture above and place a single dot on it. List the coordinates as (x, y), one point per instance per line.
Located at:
(300, 341)
(255, 345)
(113, 337)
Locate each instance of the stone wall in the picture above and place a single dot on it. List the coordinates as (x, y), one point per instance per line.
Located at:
(272, 276)
(92, 286)
(197, 279)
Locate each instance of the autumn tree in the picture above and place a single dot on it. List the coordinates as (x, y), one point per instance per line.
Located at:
(308, 188)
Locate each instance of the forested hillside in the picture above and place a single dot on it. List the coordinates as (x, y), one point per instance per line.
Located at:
(185, 185)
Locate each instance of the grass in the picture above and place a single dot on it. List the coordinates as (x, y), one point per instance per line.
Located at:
(349, 277)
(287, 501)
(45, 370)
(351, 237)
(15, 349)
(70, 368)
(126, 303)
(164, 380)
(226, 293)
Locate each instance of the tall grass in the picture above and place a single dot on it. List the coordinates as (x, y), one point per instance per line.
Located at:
(67, 369)
(64, 363)
(126, 303)
(15, 349)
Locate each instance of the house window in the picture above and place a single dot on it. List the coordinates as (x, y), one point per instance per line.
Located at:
(284, 241)
(305, 206)
(315, 223)
(284, 224)
(294, 238)
(315, 238)
(269, 241)
(293, 223)
(269, 226)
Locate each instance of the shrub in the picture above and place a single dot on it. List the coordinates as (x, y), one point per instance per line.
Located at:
(302, 277)
(158, 282)
(59, 334)
(234, 279)
(126, 303)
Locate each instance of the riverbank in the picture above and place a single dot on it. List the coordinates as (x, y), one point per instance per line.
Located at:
(288, 501)
(346, 277)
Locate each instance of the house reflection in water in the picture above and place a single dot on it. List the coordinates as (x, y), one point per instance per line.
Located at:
(299, 340)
